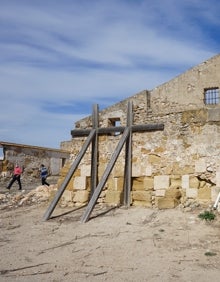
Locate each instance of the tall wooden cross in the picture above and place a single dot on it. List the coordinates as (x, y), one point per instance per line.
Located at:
(92, 137)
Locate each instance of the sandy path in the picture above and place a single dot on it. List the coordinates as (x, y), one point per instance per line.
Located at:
(134, 244)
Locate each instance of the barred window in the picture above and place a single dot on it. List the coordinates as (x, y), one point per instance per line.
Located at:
(211, 96)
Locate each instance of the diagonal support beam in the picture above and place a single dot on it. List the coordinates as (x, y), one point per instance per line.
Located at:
(104, 178)
(69, 175)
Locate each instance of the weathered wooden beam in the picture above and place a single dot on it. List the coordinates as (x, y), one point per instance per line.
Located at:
(105, 175)
(80, 132)
(112, 129)
(147, 127)
(101, 130)
(128, 157)
(106, 130)
(69, 175)
(94, 153)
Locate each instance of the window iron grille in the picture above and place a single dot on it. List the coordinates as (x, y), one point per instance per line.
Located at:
(211, 96)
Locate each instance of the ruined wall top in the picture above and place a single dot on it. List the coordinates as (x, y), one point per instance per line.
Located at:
(186, 91)
(30, 157)
(26, 148)
(182, 93)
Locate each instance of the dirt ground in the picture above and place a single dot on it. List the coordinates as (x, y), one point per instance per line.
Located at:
(116, 244)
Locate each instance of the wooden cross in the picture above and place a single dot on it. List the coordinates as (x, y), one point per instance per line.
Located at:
(92, 137)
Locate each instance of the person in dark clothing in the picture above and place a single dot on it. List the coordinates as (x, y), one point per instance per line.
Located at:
(43, 175)
(16, 177)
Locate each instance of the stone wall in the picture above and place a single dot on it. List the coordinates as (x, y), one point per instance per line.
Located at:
(175, 166)
(30, 158)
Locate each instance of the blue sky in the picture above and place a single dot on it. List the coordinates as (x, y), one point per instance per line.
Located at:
(58, 58)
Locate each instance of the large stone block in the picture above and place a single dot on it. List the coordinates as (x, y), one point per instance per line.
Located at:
(185, 181)
(192, 193)
(145, 196)
(85, 170)
(161, 182)
(67, 196)
(113, 197)
(148, 183)
(160, 192)
(173, 193)
(137, 183)
(175, 183)
(142, 204)
(81, 196)
(167, 203)
(195, 116)
(193, 182)
(204, 193)
(79, 183)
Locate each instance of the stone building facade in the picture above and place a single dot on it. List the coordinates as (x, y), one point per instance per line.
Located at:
(30, 158)
(177, 165)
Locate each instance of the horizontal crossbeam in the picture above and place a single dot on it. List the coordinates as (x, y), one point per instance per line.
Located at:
(106, 130)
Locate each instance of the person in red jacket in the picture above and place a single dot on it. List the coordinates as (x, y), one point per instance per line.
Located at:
(16, 177)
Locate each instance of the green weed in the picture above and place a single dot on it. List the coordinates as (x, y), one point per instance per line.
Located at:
(210, 254)
(207, 215)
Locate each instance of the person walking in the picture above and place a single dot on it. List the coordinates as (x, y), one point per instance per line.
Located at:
(16, 177)
(43, 175)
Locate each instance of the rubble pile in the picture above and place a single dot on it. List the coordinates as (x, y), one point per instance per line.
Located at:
(15, 199)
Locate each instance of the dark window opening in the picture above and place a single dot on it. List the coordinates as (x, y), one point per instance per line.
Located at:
(148, 100)
(211, 96)
(114, 122)
(1, 154)
(63, 162)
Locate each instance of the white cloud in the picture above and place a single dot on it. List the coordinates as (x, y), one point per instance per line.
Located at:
(84, 52)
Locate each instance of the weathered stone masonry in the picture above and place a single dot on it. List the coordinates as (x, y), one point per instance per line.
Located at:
(170, 167)
(30, 158)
